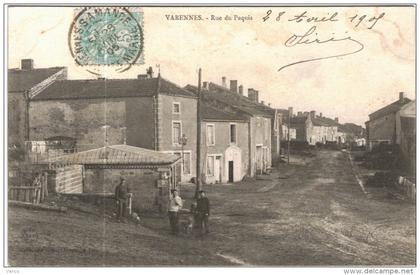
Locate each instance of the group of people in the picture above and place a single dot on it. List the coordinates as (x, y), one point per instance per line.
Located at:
(200, 208)
(200, 211)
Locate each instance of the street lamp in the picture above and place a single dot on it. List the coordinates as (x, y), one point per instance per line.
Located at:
(183, 141)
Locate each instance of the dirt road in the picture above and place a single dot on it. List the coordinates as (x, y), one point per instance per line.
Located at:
(311, 212)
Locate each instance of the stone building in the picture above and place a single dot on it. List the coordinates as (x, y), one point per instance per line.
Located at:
(147, 112)
(381, 127)
(22, 85)
(225, 149)
(98, 171)
(258, 118)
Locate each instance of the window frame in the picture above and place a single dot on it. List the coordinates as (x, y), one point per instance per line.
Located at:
(230, 133)
(173, 132)
(179, 108)
(183, 165)
(179, 152)
(207, 165)
(207, 134)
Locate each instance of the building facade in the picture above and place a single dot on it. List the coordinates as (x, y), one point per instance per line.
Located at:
(148, 112)
(23, 84)
(258, 117)
(224, 150)
(381, 127)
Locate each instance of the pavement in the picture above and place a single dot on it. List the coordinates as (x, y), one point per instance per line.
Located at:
(311, 212)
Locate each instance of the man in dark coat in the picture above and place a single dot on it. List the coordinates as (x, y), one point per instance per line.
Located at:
(122, 194)
(203, 209)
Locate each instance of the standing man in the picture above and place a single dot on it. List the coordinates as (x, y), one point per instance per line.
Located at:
(203, 209)
(175, 204)
(122, 194)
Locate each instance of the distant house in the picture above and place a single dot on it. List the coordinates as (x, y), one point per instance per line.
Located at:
(382, 124)
(326, 130)
(147, 112)
(303, 125)
(285, 127)
(353, 134)
(225, 148)
(23, 84)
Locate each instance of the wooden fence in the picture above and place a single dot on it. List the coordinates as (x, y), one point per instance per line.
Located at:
(35, 193)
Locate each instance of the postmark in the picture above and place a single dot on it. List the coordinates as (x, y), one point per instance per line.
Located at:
(107, 36)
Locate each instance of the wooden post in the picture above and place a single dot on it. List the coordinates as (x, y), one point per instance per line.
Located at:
(38, 196)
(129, 205)
(198, 160)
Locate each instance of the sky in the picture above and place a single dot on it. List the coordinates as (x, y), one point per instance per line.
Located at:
(252, 51)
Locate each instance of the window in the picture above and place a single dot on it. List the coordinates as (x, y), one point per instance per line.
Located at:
(267, 128)
(232, 133)
(176, 132)
(210, 134)
(176, 109)
(210, 165)
(187, 163)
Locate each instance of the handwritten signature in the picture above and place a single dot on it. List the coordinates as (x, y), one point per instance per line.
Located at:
(308, 38)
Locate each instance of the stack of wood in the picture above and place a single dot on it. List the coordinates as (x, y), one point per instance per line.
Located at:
(35, 192)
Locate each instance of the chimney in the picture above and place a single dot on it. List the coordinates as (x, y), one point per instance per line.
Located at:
(234, 86)
(299, 114)
(241, 90)
(251, 94)
(224, 81)
(205, 85)
(262, 102)
(336, 119)
(305, 113)
(149, 72)
(269, 104)
(312, 114)
(401, 96)
(290, 111)
(256, 96)
(320, 114)
(27, 64)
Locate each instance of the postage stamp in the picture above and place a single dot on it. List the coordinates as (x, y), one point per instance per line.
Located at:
(107, 36)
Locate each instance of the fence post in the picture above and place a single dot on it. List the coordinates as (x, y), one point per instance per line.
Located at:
(46, 183)
(129, 205)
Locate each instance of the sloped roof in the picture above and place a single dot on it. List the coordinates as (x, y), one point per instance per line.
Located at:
(105, 88)
(298, 119)
(353, 129)
(210, 113)
(22, 80)
(391, 108)
(240, 102)
(324, 121)
(117, 154)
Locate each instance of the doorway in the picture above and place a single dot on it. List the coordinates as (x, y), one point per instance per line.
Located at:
(230, 171)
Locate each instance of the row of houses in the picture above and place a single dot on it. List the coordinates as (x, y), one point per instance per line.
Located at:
(50, 115)
(311, 128)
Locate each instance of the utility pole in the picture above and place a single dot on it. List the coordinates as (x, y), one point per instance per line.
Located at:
(198, 160)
